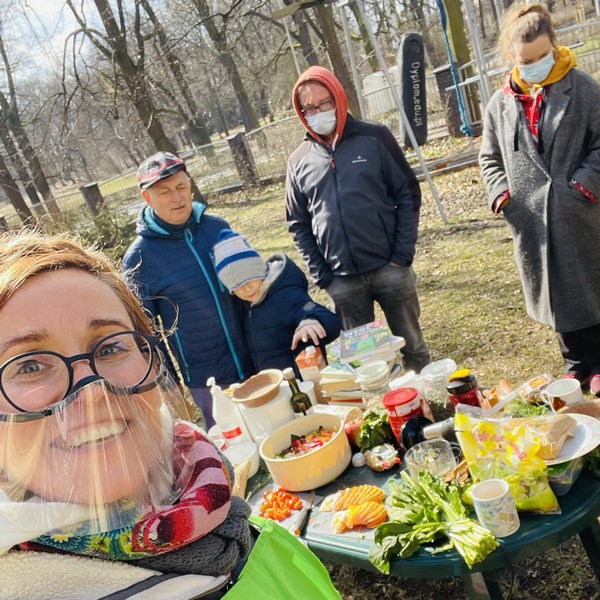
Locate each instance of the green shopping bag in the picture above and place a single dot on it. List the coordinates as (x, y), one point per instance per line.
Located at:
(281, 567)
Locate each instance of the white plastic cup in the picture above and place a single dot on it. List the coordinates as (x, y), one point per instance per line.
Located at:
(562, 392)
(495, 507)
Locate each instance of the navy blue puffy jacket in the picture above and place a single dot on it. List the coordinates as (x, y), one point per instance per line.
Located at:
(270, 324)
(173, 269)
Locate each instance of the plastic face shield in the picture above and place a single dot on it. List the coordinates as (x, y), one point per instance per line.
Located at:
(100, 458)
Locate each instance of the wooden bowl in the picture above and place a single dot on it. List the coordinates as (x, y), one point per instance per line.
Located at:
(259, 389)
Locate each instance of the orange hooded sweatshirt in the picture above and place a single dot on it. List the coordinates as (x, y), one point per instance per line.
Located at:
(331, 82)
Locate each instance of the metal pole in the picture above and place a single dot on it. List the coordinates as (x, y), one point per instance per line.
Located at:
(484, 82)
(355, 76)
(400, 108)
(291, 43)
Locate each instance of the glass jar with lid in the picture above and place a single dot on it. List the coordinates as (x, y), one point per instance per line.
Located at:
(435, 375)
(374, 379)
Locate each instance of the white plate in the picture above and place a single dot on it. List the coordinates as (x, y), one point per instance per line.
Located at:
(586, 436)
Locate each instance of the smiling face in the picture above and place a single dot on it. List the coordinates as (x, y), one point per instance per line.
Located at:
(76, 455)
(171, 198)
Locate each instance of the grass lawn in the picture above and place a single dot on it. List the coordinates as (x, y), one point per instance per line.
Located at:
(472, 311)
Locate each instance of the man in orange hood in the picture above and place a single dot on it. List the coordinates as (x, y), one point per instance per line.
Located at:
(352, 207)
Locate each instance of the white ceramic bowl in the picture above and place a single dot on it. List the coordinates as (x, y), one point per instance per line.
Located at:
(240, 453)
(311, 470)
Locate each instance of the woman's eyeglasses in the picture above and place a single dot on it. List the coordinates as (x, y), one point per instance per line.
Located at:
(35, 381)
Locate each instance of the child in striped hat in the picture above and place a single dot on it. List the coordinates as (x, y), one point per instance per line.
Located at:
(281, 318)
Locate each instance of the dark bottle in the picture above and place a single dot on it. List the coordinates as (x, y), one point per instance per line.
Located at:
(300, 401)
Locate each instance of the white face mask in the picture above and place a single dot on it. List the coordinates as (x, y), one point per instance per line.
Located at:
(323, 123)
(538, 71)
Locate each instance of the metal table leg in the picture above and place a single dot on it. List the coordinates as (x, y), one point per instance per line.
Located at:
(479, 586)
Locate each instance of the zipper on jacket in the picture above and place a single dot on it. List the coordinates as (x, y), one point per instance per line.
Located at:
(337, 200)
(185, 362)
(212, 260)
(236, 360)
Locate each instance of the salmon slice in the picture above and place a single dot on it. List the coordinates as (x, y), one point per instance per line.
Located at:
(367, 514)
(352, 496)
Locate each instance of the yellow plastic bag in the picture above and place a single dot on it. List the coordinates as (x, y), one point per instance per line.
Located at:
(495, 449)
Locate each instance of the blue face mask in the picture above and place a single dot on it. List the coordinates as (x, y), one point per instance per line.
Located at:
(538, 71)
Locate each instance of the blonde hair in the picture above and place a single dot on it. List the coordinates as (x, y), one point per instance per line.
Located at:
(29, 253)
(523, 23)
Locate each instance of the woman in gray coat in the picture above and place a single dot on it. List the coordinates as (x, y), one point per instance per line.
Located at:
(540, 160)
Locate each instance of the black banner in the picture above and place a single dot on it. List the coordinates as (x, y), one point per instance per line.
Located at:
(413, 90)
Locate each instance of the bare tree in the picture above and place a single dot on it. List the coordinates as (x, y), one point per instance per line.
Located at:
(113, 45)
(218, 37)
(11, 189)
(196, 126)
(9, 114)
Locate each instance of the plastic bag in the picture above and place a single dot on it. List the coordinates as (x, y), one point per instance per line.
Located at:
(493, 448)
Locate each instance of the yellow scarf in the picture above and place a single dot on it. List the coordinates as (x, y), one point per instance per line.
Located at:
(564, 61)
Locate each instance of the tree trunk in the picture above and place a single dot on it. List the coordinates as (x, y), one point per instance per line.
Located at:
(197, 130)
(249, 117)
(308, 50)
(325, 18)
(9, 185)
(22, 174)
(365, 40)
(133, 76)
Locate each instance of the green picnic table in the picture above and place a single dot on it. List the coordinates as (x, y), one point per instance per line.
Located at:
(580, 509)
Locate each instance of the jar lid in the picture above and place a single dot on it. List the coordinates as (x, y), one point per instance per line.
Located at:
(460, 374)
(373, 371)
(459, 386)
(438, 370)
(399, 396)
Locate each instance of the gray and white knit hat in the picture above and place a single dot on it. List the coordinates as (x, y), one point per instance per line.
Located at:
(236, 261)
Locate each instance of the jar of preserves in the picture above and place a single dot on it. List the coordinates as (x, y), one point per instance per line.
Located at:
(462, 388)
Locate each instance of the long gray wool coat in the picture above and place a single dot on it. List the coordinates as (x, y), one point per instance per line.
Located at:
(555, 229)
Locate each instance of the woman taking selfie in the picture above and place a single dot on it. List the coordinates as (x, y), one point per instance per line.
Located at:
(94, 461)
(540, 160)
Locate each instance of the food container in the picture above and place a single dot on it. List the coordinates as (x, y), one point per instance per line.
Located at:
(374, 379)
(311, 470)
(435, 375)
(259, 389)
(462, 388)
(562, 476)
(401, 405)
(261, 420)
(240, 453)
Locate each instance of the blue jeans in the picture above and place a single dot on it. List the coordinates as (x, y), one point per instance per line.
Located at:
(394, 288)
(203, 398)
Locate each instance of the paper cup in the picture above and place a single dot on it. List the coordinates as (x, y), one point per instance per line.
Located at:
(562, 392)
(495, 507)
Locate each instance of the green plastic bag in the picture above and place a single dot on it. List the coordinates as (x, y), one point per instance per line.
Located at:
(281, 567)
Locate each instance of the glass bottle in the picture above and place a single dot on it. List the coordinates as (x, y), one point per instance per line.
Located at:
(300, 401)
(435, 376)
